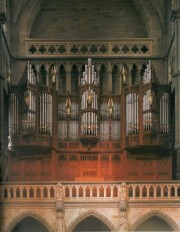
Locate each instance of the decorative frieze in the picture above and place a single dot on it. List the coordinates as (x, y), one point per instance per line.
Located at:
(135, 47)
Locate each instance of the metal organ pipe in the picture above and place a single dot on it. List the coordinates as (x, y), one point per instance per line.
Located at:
(164, 113)
(12, 110)
(127, 114)
(30, 74)
(51, 115)
(13, 113)
(89, 101)
(130, 112)
(134, 116)
(137, 115)
(144, 114)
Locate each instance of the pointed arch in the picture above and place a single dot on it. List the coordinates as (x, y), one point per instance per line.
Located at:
(24, 215)
(87, 214)
(115, 80)
(103, 79)
(156, 213)
(62, 79)
(74, 79)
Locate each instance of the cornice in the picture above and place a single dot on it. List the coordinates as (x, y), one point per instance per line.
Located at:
(154, 205)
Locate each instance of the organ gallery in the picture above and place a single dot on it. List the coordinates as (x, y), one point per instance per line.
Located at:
(89, 115)
(90, 120)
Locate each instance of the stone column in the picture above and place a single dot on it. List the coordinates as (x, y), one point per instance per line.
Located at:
(123, 197)
(176, 22)
(60, 224)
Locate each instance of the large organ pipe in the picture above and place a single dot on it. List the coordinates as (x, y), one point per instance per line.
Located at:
(13, 112)
(127, 112)
(89, 103)
(130, 112)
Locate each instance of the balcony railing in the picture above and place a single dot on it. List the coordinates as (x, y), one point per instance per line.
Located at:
(159, 191)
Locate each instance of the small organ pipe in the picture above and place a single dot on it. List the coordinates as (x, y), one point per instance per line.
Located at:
(30, 74)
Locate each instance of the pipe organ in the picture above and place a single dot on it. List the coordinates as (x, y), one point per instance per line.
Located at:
(30, 115)
(110, 120)
(13, 114)
(46, 113)
(132, 111)
(147, 113)
(164, 113)
(47, 119)
(89, 105)
(68, 126)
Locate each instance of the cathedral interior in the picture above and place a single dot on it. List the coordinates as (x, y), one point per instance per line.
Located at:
(89, 106)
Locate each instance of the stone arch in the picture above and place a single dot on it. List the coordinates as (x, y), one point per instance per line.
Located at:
(26, 14)
(17, 219)
(159, 214)
(99, 216)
